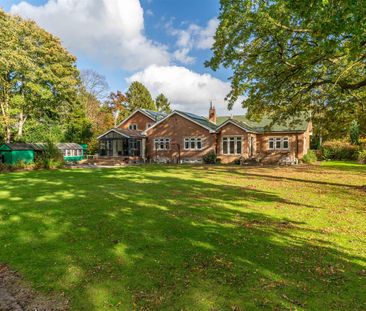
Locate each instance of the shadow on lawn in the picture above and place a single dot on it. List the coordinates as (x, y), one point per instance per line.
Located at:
(308, 169)
(124, 239)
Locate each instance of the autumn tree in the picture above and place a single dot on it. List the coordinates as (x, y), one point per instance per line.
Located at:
(138, 96)
(162, 103)
(118, 104)
(38, 77)
(288, 57)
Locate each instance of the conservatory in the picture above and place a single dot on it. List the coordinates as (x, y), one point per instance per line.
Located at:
(122, 143)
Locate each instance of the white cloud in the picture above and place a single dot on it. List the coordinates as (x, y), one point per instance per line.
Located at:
(205, 35)
(193, 37)
(182, 56)
(108, 31)
(186, 90)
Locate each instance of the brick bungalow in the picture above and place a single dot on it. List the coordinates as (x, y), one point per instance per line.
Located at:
(185, 137)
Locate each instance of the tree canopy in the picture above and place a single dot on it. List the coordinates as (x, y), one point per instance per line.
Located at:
(38, 77)
(288, 57)
(138, 96)
(162, 103)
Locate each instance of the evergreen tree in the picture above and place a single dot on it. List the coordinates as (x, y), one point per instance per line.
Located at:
(138, 96)
(162, 103)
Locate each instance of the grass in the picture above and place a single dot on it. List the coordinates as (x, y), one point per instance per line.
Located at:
(190, 238)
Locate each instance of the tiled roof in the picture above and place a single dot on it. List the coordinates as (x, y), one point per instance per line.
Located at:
(293, 125)
(156, 115)
(129, 133)
(201, 120)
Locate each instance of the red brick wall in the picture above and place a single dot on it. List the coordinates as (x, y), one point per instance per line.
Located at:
(299, 143)
(138, 118)
(177, 128)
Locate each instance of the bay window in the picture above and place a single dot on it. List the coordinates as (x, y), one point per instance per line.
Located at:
(232, 145)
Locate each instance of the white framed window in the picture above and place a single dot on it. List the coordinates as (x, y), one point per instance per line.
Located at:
(148, 125)
(279, 143)
(162, 143)
(193, 143)
(232, 145)
(133, 126)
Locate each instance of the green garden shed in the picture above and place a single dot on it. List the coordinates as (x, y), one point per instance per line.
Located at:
(19, 152)
(72, 152)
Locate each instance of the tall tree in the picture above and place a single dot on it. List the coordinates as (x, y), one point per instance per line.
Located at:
(138, 96)
(94, 84)
(293, 56)
(38, 77)
(162, 103)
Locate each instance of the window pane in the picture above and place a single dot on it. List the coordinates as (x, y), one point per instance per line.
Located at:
(278, 143)
(285, 143)
(199, 143)
(224, 146)
(238, 145)
(271, 143)
(193, 143)
(232, 145)
(186, 144)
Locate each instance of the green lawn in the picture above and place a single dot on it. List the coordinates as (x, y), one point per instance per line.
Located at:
(190, 238)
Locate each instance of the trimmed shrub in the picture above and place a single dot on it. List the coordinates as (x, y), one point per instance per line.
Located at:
(339, 150)
(310, 157)
(210, 158)
(362, 157)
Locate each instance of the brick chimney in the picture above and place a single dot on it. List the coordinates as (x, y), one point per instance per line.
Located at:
(212, 113)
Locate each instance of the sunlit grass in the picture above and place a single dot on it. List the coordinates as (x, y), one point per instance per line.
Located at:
(190, 238)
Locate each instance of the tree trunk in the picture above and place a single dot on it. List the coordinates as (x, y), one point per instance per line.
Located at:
(7, 134)
(22, 119)
(5, 115)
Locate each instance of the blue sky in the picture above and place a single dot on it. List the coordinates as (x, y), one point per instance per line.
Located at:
(161, 43)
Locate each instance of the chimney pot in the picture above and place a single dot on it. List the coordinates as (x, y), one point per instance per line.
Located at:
(212, 113)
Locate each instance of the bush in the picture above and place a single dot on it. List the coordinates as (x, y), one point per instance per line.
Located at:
(310, 157)
(210, 158)
(339, 150)
(51, 158)
(362, 156)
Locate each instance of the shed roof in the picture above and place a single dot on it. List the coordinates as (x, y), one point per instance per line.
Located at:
(69, 146)
(25, 146)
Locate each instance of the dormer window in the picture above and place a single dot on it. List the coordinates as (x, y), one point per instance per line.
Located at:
(133, 127)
